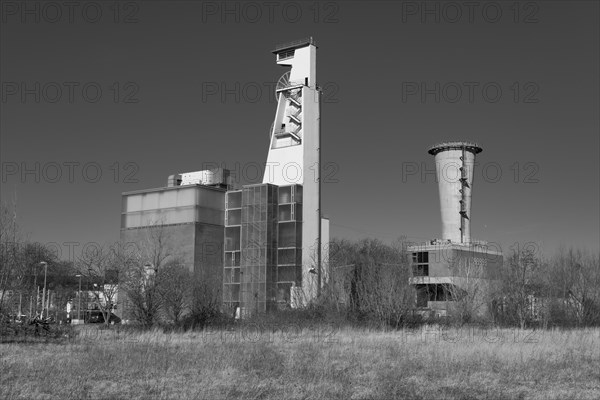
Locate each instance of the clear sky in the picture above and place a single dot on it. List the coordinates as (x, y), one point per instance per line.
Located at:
(99, 99)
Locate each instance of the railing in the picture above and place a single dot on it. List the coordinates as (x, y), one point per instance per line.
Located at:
(291, 84)
(295, 43)
(283, 133)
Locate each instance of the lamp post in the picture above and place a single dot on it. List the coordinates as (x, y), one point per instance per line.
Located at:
(95, 297)
(79, 295)
(48, 305)
(87, 293)
(45, 264)
(33, 311)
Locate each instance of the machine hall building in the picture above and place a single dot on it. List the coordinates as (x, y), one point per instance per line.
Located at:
(264, 244)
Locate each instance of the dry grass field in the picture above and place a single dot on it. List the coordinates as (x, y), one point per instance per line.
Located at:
(322, 363)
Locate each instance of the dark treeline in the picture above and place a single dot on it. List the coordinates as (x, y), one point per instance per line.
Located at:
(530, 290)
(371, 281)
(367, 284)
(562, 290)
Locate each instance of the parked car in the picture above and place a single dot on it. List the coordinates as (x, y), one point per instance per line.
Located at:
(97, 317)
(15, 318)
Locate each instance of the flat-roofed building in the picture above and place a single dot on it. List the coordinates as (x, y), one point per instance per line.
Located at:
(445, 273)
(188, 220)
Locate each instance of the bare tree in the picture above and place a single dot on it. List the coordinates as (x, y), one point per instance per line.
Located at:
(340, 272)
(11, 271)
(143, 281)
(471, 290)
(575, 281)
(206, 300)
(521, 284)
(19, 264)
(102, 266)
(143, 292)
(177, 283)
(372, 278)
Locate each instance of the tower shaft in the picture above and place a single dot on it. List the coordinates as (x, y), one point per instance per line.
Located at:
(454, 168)
(294, 151)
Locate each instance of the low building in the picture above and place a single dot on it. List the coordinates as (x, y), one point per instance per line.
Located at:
(447, 274)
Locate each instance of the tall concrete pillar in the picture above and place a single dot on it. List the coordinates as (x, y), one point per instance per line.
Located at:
(454, 163)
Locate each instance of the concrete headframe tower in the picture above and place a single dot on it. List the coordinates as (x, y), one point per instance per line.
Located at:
(454, 167)
(294, 152)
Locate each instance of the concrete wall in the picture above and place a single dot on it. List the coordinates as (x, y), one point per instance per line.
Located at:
(180, 240)
(208, 255)
(311, 214)
(444, 259)
(199, 246)
(173, 205)
(191, 219)
(460, 267)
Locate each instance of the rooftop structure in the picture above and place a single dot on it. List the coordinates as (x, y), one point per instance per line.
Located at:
(294, 44)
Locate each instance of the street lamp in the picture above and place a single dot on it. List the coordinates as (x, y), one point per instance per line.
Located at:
(79, 308)
(95, 297)
(31, 310)
(45, 264)
(87, 293)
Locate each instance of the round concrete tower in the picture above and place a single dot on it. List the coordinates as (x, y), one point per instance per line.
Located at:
(454, 163)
